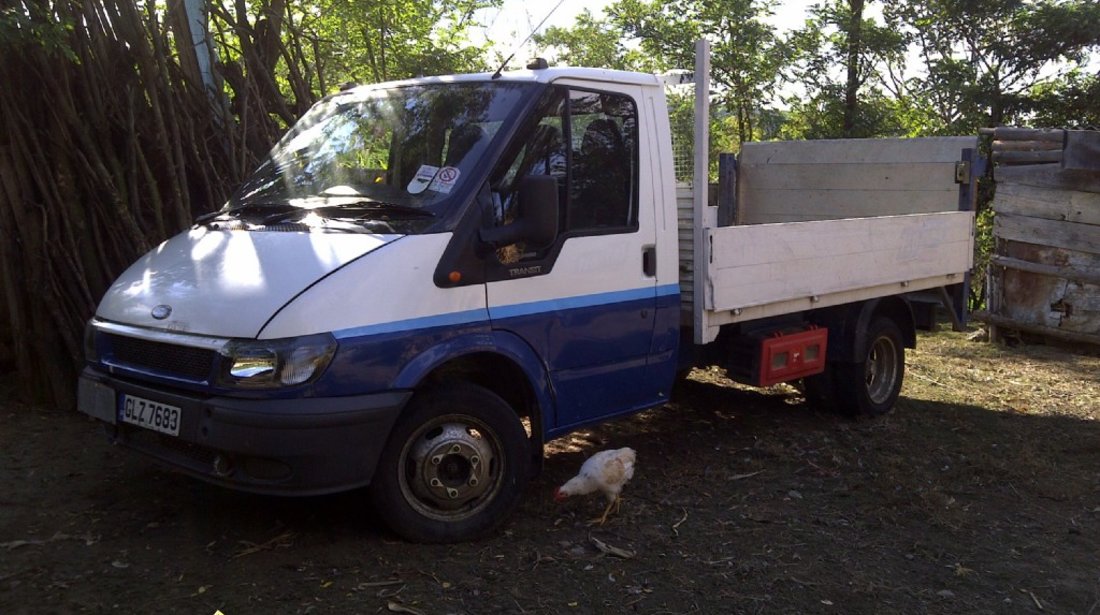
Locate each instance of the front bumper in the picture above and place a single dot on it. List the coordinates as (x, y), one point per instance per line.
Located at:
(301, 446)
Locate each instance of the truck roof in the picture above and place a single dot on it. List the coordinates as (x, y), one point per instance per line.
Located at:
(545, 75)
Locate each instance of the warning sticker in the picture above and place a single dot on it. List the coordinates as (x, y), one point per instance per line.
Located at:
(423, 178)
(445, 180)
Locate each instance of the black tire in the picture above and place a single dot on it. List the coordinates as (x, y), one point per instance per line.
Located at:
(454, 466)
(870, 386)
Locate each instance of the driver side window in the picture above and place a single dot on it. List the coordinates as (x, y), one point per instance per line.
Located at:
(587, 141)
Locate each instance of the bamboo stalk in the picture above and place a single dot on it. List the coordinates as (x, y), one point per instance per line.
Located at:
(115, 159)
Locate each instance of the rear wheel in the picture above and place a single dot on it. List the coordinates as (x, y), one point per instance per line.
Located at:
(871, 385)
(453, 467)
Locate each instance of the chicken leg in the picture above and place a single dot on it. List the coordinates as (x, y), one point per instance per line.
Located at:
(602, 519)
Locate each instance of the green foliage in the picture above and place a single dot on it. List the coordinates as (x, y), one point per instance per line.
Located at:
(594, 42)
(34, 24)
(1071, 102)
(983, 252)
(838, 37)
(747, 55)
(822, 117)
(983, 60)
(381, 40)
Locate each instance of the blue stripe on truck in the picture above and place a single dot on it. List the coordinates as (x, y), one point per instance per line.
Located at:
(507, 311)
(582, 301)
(426, 322)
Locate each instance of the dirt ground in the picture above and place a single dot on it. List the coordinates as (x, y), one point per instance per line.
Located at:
(979, 493)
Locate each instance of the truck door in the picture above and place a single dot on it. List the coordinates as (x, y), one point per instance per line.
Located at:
(586, 303)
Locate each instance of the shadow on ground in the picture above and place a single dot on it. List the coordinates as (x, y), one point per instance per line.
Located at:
(743, 501)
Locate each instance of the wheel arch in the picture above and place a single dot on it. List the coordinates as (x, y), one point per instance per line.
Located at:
(896, 309)
(848, 325)
(497, 362)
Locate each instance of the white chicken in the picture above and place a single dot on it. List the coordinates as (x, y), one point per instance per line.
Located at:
(606, 471)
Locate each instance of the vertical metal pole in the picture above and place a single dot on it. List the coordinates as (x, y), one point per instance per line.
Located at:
(699, 189)
(198, 19)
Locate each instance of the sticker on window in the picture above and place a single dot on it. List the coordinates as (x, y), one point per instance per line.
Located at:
(445, 180)
(422, 179)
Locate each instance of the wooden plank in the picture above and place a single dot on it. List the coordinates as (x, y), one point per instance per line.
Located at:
(1082, 150)
(1036, 202)
(801, 304)
(1069, 273)
(1066, 235)
(868, 177)
(855, 151)
(1025, 146)
(759, 264)
(1033, 157)
(993, 277)
(833, 179)
(1028, 297)
(1033, 297)
(1082, 305)
(1006, 133)
(1049, 176)
(771, 243)
(1008, 323)
(800, 205)
(1047, 255)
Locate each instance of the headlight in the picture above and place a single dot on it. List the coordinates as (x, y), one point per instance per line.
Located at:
(275, 363)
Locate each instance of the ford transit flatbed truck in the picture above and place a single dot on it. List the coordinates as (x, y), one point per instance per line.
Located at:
(426, 280)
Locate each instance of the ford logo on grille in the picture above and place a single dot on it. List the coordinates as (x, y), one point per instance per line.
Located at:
(162, 311)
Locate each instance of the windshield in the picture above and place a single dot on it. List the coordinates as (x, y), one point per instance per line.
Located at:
(390, 159)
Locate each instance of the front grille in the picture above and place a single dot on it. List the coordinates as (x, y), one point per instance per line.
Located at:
(169, 359)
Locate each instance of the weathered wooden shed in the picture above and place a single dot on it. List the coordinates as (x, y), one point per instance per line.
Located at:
(1044, 274)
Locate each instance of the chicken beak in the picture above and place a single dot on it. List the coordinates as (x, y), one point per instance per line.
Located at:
(559, 496)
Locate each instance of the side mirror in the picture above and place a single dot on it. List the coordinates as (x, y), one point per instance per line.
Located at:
(537, 219)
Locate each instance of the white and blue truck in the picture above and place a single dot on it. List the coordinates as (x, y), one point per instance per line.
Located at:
(427, 280)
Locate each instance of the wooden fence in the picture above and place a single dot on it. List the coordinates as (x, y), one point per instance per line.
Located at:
(1044, 274)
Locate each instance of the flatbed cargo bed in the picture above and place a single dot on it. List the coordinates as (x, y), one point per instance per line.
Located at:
(817, 235)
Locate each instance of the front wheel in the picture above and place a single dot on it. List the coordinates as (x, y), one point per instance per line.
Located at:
(453, 467)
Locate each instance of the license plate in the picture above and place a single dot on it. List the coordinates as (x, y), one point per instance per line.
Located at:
(151, 415)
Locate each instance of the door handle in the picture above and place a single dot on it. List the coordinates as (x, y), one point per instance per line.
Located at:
(649, 261)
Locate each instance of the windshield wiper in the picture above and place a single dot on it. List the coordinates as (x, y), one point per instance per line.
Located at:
(272, 213)
(282, 208)
(341, 211)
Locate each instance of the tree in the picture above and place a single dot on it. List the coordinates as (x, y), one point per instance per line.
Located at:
(746, 53)
(844, 61)
(381, 40)
(1071, 102)
(593, 42)
(983, 60)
